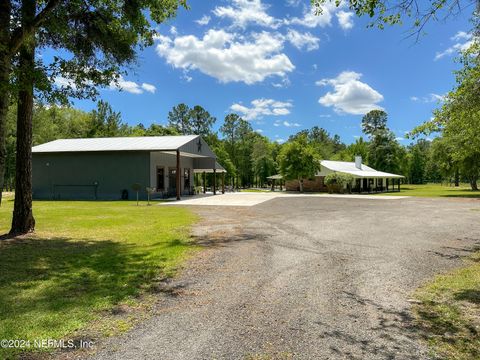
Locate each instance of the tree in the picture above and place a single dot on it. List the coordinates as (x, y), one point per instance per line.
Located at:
(391, 13)
(384, 152)
(359, 148)
(298, 160)
(179, 119)
(262, 159)
(106, 122)
(458, 120)
(201, 121)
(417, 164)
(79, 27)
(229, 129)
(374, 121)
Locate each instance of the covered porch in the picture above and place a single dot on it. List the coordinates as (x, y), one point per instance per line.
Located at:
(173, 170)
(376, 184)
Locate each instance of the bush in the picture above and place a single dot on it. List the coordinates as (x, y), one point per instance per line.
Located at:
(337, 182)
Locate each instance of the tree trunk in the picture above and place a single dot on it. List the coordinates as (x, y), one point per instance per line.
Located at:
(301, 185)
(457, 178)
(473, 184)
(23, 221)
(5, 10)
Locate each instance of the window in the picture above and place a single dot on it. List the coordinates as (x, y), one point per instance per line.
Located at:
(160, 179)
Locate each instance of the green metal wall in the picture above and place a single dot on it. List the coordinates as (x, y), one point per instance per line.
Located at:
(86, 176)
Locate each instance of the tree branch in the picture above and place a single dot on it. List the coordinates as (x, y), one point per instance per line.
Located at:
(19, 34)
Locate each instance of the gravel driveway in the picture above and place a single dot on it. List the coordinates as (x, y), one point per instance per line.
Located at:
(305, 278)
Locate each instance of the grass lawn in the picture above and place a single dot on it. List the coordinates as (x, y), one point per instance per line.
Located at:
(435, 190)
(257, 190)
(449, 312)
(84, 259)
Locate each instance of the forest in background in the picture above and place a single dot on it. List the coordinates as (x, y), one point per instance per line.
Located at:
(248, 156)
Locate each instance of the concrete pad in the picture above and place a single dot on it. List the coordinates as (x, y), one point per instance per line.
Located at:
(255, 198)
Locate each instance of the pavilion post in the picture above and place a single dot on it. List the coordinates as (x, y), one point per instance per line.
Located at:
(399, 185)
(281, 182)
(223, 182)
(387, 184)
(214, 181)
(204, 182)
(177, 173)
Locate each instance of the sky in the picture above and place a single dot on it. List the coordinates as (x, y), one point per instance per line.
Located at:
(284, 69)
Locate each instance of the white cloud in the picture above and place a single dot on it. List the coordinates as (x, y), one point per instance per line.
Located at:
(288, 124)
(284, 82)
(262, 107)
(245, 12)
(204, 20)
(312, 20)
(461, 35)
(285, 123)
(463, 41)
(121, 84)
(227, 56)
(62, 82)
(345, 19)
(432, 97)
(293, 3)
(302, 40)
(131, 86)
(149, 88)
(349, 94)
(259, 131)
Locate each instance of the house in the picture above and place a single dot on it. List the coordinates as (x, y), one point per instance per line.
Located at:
(107, 168)
(366, 178)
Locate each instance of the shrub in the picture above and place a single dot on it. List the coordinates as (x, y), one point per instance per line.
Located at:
(337, 182)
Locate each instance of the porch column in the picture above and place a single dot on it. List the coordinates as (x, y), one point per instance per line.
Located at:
(214, 181)
(178, 175)
(204, 182)
(223, 182)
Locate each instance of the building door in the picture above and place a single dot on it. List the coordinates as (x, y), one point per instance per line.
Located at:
(172, 181)
(160, 179)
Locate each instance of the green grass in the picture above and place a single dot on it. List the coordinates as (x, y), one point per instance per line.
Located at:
(84, 259)
(435, 190)
(257, 190)
(449, 313)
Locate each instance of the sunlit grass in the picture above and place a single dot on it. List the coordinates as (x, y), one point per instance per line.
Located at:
(435, 190)
(84, 258)
(449, 313)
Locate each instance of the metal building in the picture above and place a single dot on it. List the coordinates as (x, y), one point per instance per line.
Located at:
(108, 168)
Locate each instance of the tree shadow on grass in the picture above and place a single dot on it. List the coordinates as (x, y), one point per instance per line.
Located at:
(55, 285)
(470, 295)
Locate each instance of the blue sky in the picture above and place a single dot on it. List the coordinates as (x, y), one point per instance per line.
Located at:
(284, 69)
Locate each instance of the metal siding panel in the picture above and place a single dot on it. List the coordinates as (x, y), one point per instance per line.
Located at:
(114, 171)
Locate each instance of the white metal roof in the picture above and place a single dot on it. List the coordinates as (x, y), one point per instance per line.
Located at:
(143, 143)
(350, 168)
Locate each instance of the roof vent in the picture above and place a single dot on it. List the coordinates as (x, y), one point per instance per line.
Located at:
(358, 162)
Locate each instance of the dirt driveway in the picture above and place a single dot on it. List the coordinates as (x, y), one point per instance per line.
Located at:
(305, 278)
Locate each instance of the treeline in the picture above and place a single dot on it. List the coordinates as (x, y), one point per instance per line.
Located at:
(248, 156)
